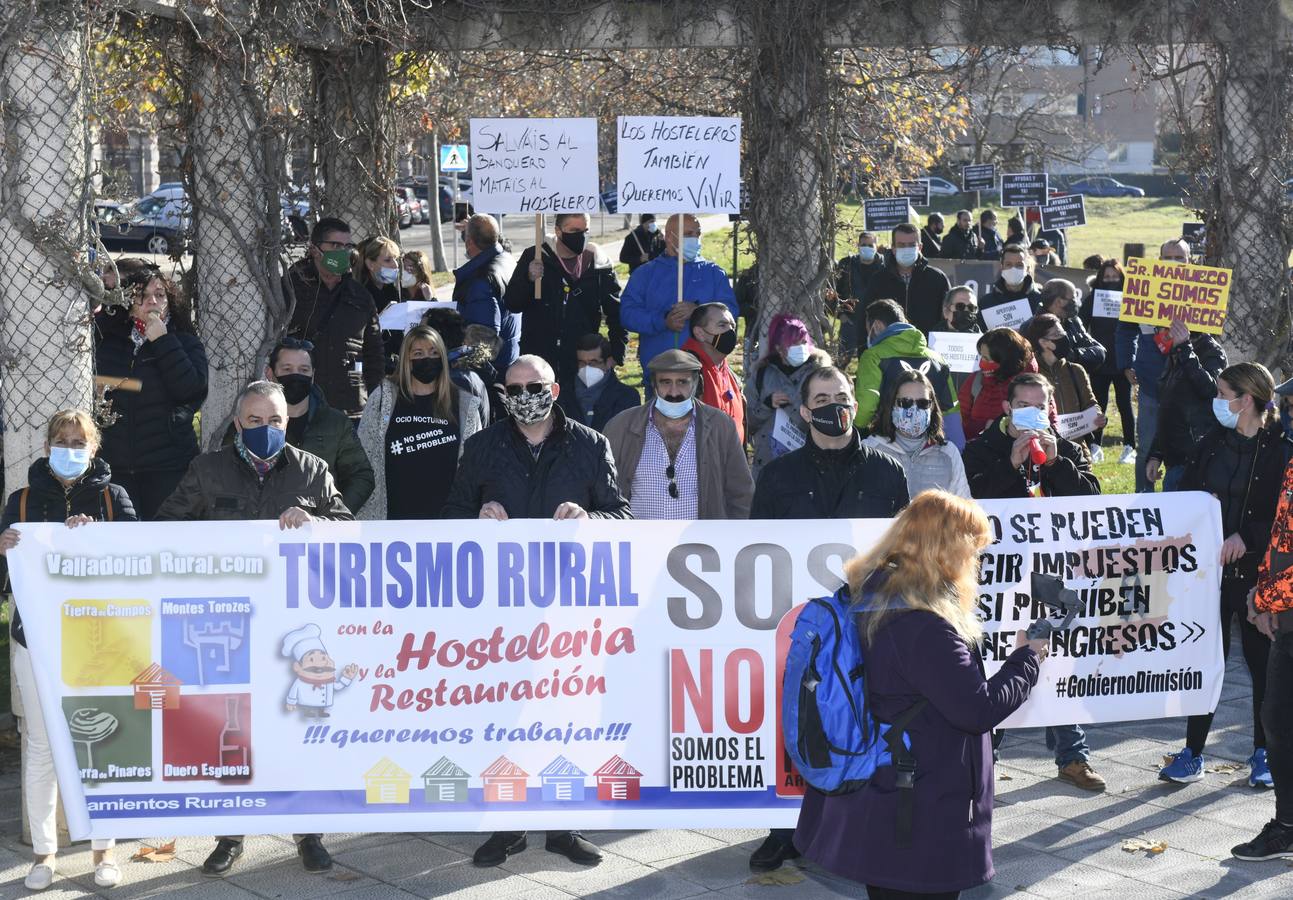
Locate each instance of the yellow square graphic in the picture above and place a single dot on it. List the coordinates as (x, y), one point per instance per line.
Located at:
(106, 643)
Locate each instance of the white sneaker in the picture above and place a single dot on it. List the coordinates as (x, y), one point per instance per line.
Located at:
(1128, 457)
(106, 874)
(1097, 454)
(40, 877)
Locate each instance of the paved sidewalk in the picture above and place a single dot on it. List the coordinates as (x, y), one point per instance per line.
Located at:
(1051, 840)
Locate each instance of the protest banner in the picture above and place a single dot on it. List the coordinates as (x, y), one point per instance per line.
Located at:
(1106, 304)
(885, 213)
(1155, 292)
(229, 677)
(916, 190)
(980, 274)
(784, 433)
(1074, 425)
(959, 349)
(1068, 211)
(408, 313)
(1007, 315)
(1024, 189)
(979, 177)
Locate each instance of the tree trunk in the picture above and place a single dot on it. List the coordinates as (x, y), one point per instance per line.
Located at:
(433, 196)
(235, 170)
(45, 344)
(356, 152)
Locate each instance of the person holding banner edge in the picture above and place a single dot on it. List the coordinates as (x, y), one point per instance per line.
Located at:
(71, 485)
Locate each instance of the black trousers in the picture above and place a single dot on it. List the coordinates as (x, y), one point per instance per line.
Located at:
(879, 893)
(1277, 719)
(1256, 649)
(1122, 395)
(148, 490)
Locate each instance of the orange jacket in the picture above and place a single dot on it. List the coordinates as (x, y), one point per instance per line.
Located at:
(720, 387)
(1275, 575)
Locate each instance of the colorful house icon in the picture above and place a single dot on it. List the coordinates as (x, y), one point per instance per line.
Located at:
(504, 782)
(386, 783)
(617, 780)
(445, 782)
(155, 688)
(562, 780)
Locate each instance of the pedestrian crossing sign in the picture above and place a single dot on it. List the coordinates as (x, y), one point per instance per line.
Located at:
(453, 157)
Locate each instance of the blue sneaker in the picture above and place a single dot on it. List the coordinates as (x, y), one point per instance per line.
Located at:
(1185, 768)
(1259, 774)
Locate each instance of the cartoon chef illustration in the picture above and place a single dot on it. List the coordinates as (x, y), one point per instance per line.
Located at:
(316, 673)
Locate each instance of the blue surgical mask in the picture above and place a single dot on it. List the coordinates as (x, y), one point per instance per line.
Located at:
(797, 354)
(866, 254)
(906, 256)
(674, 409)
(691, 248)
(69, 463)
(1225, 415)
(264, 442)
(652, 227)
(1030, 418)
(388, 276)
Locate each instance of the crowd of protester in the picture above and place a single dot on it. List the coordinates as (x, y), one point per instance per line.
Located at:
(510, 406)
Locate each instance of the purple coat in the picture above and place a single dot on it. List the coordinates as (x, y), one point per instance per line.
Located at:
(918, 654)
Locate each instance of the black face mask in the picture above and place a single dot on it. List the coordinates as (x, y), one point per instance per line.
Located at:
(833, 419)
(295, 387)
(963, 320)
(574, 241)
(1062, 347)
(425, 369)
(1070, 309)
(724, 343)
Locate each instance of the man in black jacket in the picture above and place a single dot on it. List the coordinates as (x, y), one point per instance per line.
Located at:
(643, 243)
(832, 476)
(1014, 284)
(333, 311)
(931, 237)
(1185, 393)
(961, 241)
(911, 281)
(999, 465)
(599, 395)
(990, 243)
(852, 275)
(1060, 298)
(536, 465)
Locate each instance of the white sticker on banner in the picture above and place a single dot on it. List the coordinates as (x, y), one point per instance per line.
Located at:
(960, 350)
(1008, 315)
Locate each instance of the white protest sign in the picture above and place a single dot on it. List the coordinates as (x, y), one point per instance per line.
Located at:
(679, 164)
(534, 166)
(784, 431)
(959, 349)
(407, 314)
(1106, 304)
(1008, 315)
(1074, 425)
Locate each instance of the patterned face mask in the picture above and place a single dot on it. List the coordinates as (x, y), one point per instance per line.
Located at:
(527, 408)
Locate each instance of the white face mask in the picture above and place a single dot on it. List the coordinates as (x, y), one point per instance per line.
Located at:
(1014, 276)
(591, 375)
(408, 279)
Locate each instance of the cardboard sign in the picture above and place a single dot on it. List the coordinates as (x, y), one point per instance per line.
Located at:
(784, 431)
(979, 177)
(916, 190)
(1157, 291)
(1064, 212)
(534, 166)
(1008, 315)
(678, 164)
(1106, 304)
(960, 350)
(886, 213)
(1074, 425)
(1024, 189)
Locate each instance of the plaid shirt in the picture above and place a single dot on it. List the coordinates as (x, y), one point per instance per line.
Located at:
(651, 498)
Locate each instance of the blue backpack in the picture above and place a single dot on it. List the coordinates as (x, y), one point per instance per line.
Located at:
(830, 734)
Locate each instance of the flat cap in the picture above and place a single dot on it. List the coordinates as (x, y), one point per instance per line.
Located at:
(674, 361)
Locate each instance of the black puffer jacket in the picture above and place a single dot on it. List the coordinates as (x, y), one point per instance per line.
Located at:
(1101, 328)
(921, 296)
(49, 501)
(155, 430)
(1185, 392)
(999, 294)
(811, 483)
(1248, 488)
(992, 476)
(575, 465)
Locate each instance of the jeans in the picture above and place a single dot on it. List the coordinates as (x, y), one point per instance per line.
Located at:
(1146, 425)
(1277, 717)
(1172, 478)
(39, 786)
(1069, 744)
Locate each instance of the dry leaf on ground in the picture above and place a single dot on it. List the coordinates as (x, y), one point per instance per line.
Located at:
(1226, 768)
(1002, 776)
(1144, 845)
(343, 875)
(164, 853)
(783, 876)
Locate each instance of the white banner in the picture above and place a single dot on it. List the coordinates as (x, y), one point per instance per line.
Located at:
(534, 166)
(960, 350)
(1008, 315)
(679, 164)
(217, 678)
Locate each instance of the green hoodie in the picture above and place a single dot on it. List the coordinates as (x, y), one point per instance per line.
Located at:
(902, 340)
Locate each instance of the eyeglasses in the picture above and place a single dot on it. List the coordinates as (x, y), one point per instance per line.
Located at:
(533, 388)
(908, 403)
(670, 473)
(334, 245)
(291, 343)
(958, 307)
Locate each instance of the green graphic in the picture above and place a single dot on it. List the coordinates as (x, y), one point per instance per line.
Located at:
(113, 740)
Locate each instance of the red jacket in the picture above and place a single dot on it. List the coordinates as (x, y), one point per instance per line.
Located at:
(721, 390)
(979, 410)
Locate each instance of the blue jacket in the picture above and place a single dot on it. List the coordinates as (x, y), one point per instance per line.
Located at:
(653, 290)
(479, 285)
(1138, 351)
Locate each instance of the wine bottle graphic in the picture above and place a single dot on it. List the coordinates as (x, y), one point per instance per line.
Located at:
(231, 753)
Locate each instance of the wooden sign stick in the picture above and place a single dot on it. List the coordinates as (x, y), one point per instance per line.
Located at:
(682, 220)
(538, 253)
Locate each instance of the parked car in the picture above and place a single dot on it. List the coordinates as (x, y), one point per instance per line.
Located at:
(403, 210)
(155, 224)
(941, 187)
(1104, 186)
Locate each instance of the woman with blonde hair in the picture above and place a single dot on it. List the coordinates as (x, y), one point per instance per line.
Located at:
(378, 269)
(69, 484)
(413, 429)
(916, 596)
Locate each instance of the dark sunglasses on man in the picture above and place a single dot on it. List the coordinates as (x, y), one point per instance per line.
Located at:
(534, 387)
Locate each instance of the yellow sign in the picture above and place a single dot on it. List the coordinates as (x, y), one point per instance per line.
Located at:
(1156, 292)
